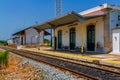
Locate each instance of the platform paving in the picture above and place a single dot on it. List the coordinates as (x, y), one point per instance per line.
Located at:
(106, 59)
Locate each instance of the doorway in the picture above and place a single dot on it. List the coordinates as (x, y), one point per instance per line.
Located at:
(91, 38)
(72, 39)
(59, 39)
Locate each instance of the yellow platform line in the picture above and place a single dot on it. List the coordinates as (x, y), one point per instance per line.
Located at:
(62, 54)
(74, 56)
(112, 61)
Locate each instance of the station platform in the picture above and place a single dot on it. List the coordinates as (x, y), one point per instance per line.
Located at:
(105, 59)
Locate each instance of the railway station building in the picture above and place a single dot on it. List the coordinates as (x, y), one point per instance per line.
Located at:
(89, 30)
(29, 37)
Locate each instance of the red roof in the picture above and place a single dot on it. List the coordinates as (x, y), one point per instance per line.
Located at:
(99, 12)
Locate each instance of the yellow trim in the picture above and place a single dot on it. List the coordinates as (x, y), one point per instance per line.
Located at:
(74, 56)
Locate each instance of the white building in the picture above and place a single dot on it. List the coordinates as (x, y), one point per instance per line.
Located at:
(30, 36)
(116, 41)
(10, 41)
(90, 29)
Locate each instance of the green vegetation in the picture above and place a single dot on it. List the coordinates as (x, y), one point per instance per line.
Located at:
(4, 59)
(46, 41)
(2, 42)
(42, 77)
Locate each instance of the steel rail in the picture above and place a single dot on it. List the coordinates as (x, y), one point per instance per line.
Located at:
(58, 58)
(36, 58)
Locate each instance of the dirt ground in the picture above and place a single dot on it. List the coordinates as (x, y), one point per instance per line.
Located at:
(18, 69)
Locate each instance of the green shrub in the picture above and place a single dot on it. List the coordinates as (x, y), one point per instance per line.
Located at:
(4, 59)
(42, 77)
(46, 41)
(2, 42)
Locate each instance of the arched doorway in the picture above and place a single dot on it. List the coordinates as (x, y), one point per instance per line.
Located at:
(91, 38)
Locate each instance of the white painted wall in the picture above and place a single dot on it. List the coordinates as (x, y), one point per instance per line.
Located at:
(116, 41)
(114, 20)
(16, 40)
(42, 37)
(99, 28)
(31, 36)
(10, 41)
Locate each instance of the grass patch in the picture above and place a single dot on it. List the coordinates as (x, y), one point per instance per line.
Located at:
(4, 59)
(42, 77)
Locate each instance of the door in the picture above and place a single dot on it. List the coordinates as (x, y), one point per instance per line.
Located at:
(72, 39)
(91, 38)
(59, 39)
(22, 40)
(116, 42)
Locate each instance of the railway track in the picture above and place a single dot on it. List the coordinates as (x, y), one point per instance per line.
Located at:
(84, 71)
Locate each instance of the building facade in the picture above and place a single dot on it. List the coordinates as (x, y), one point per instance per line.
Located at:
(94, 34)
(29, 36)
(89, 30)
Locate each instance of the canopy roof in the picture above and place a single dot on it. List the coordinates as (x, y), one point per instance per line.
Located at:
(22, 32)
(62, 20)
(65, 19)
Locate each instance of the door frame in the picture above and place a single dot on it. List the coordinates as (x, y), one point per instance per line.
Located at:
(94, 38)
(70, 38)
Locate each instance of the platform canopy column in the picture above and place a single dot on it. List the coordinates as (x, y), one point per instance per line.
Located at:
(54, 40)
(81, 20)
(51, 37)
(38, 39)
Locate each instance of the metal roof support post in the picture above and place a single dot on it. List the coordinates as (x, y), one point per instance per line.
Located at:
(51, 37)
(54, 40)
(24, 38)
(43, 34)
(21, 41)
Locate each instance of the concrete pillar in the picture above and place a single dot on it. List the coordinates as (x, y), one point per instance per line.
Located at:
(51, 38)
(81, 21)
(20, 39)
(43, 32)
(54, 40)
(38, 40)
(107, 40)
(24, 38)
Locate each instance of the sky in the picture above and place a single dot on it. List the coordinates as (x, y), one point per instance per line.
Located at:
(16, 15)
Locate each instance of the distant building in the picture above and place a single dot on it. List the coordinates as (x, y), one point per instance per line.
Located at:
(29, 36)
(10, 41)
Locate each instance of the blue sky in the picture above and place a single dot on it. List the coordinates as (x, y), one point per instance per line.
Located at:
(19, 14)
